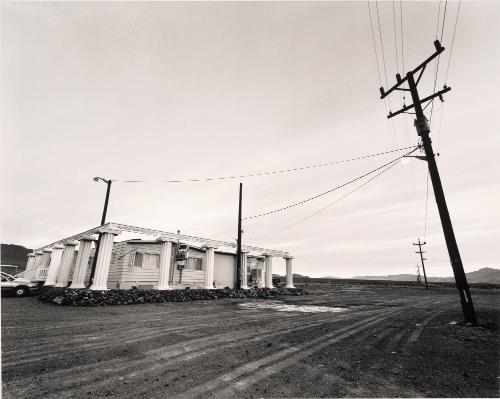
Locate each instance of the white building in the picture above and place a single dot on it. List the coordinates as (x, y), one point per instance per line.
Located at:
(152, 263)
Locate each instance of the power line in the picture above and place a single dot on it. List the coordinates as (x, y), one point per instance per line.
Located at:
(374, 45)
(393, 134)
(381, 44)
(436, 68)
(329, 191)
(402, 35)
(330, 204)
(266, 173)
(452, 42)
(395, 35)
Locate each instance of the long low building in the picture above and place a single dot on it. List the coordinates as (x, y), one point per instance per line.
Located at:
(164, 261)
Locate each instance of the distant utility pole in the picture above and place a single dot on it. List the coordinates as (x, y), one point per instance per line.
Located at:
(419, 280)
(238, 249)
(423, 131)
(103, 220)
(422, 260)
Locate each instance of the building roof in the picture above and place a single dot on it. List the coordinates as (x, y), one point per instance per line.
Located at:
(170, 236)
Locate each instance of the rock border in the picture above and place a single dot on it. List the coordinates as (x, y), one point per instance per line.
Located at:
(86, 297)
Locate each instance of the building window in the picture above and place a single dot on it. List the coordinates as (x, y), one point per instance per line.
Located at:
(149, 261)
(153, 261)
(138, 259)
(195, 264)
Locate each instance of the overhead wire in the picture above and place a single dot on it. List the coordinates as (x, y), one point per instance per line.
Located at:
(273, 172)
(381, 44)
(283, 208)
(329, 205)
(374, 44)
(452, 42)
(402, 35)
(391, 133)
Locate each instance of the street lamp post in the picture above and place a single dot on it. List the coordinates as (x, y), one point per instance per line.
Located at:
(103, 220)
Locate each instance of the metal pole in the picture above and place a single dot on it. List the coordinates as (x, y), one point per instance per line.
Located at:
(451, 243)
(103, 220)
(238, 250)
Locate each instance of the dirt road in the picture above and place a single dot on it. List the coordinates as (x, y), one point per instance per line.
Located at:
(385, 342)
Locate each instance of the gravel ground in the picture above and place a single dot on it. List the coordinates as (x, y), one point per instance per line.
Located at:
(387, 342)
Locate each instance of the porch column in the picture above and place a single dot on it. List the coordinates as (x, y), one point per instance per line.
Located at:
(66, 261)
(82, 261)
(209, 267)
(269, 271)
(104, 259)
(55, 263)
(31, 260)
(244, 277)
(261, 265)
(289, 272)
(38, 259)
(46, 257)
(165, 261)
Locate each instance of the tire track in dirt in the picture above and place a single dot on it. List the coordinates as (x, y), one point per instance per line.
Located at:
(231, 384)
(257, 373)
(156, 355)
(27, 355)
(169, 355)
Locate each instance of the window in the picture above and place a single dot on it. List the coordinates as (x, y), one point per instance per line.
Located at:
(138, 259)
(153, 261)
(150, 261)
(195, 263)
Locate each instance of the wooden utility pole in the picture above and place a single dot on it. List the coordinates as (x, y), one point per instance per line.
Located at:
(238, 249)
(423, 131)
(422, 259)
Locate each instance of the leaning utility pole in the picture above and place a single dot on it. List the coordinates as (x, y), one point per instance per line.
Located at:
(238, 249)
(422, 259)
(423, 131)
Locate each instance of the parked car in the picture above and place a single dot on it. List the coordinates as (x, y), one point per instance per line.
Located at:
(17, 285)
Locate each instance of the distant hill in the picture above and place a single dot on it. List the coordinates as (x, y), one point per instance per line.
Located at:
(16, 255)
(484, 275)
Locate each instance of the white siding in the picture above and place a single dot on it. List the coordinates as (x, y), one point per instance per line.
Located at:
(225, 270)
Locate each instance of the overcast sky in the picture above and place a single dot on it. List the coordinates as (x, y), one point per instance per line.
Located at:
(158, 91)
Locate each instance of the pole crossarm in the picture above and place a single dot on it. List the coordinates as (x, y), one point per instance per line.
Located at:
(170, 236)
(446, 89)
(439, 50)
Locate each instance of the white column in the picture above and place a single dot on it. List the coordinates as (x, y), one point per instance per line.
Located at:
(46, 257)
(66, 261)
(244, 278)
(289, 272)
(38, 259)
(55, 263)
(261, 265)
(104, 259)
(209, 267)
(31, 261)
(82, 261)
(165, 261)
(269, 271)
